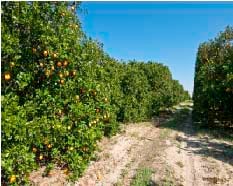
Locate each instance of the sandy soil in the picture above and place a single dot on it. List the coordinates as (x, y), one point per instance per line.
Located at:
(200, 160)
(177, 157)
(121, 155)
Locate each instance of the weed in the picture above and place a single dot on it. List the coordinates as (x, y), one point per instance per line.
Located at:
(143, 177)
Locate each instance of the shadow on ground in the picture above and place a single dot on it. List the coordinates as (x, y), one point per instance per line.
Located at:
(207, 146)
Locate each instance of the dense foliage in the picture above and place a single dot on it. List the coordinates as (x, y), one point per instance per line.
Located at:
(61, 92)
(213, 86)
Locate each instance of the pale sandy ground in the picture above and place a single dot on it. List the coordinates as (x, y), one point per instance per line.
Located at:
(176, 158)
(200, 160)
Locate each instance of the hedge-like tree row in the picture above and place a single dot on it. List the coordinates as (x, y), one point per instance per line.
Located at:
(61, 92)
(213, 84)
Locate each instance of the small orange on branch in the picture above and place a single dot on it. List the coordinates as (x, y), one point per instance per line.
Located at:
(12, 178)
(59, 64)
(41, 157)
(7, 76)
(34, 150)
(45, 53)
(65, 63)
(12, 64)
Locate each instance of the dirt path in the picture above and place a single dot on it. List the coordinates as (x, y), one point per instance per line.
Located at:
(121, 156)
(177, 156)
(200, 160)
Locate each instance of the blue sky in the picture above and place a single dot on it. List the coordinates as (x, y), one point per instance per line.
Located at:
(166, 32)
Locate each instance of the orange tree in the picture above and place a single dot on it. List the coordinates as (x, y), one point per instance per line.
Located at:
(135, 88)
(161, 86)
(178, 93)
(51, 111)
(148, 88)
(61, 92)
(213, 84)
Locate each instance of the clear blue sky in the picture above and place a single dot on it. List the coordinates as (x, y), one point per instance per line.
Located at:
(160, 31)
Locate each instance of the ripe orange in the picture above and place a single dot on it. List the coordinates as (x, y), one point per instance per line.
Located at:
(65, 63)
(12, 64)
(62, 81)
(59, 64)
(49, 146)
(47, 72)
(74, 72)
(45, 53)
(60, 75)
(41, 65)
(54, 55)
(41, 157)
(34, 149)
(12, 178)
(7, 76)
